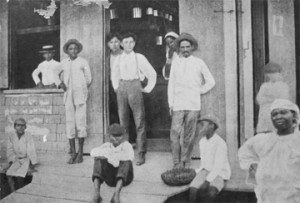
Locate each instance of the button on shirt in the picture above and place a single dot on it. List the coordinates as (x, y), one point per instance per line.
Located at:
(50, 72)
(185, 83)
(122, 152)
(130, 67)
(214, 157)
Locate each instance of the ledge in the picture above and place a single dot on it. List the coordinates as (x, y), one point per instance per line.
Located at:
(33, 91)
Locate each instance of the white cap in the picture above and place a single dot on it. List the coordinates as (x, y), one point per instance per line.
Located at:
(171, 34)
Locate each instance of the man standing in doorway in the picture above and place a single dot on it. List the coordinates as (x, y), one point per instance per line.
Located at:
(76, 79)
(184, 96)
(127, 73)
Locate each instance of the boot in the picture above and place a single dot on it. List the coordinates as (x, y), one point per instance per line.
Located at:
(79, 158)
(73, 151)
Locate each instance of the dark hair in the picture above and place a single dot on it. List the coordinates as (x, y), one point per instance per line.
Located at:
(110, 36)
(129, 34)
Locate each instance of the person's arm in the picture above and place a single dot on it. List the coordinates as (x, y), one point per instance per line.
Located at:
(127, 153)
(10, 152)
(171, 85)
(148, 71)
(247, 154)
(209, 81)
(58, 71)
(35, 75)
(100, 151)
(219, 161)
(31, 152)
(87, 73)
(115, 73)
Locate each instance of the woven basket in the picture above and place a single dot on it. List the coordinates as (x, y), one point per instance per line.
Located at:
(178, 176)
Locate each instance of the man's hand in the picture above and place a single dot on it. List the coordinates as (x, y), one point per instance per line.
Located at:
(171, 111)
(205, 185)
(253, 168)
(62, 86)
(40, 85)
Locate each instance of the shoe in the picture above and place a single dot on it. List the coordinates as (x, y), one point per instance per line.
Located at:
(141, 159)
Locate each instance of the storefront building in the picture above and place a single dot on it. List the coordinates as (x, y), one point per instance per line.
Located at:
(236, 38)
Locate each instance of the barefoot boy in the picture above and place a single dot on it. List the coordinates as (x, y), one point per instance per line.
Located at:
(113, 163)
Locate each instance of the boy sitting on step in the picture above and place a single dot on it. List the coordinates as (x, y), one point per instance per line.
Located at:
(113, 163)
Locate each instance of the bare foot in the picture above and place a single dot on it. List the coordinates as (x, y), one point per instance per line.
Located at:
(141, 159)
(115, 199)
(96, 198)
(72, 159)
(79, 159)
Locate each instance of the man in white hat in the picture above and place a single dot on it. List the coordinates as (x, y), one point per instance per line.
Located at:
(170, 53)
(186, 85)
(274, 158)
(214, 168)
(76, 79)
(49, 69)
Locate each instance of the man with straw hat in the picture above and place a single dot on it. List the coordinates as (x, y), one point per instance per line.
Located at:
(49, 69)
(273, 158)
(184, 96)
(76, 79)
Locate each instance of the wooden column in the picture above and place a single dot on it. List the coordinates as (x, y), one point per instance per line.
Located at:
(3, 44)
(86, 23)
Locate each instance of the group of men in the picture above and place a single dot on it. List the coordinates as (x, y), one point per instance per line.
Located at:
(272, 158)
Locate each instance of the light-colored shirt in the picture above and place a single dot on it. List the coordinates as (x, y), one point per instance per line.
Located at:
(122, 152)
(278, 172)
(214, 157)
(50, 73)
(133, 66)
(77, 77)
(168, 60)
(185, 83)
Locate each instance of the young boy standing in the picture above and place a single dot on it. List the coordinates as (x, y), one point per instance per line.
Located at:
(127, 72)
(49, 69)
(76, 79)
(113, 163)
(215, 167)
(21, 155)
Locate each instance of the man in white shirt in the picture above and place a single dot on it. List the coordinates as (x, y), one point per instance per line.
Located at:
(273, 158)
(170, 53)
(49, 69)
(113, 163)
(184, 96)
(214, 168)
(127, 72)
(76, 79)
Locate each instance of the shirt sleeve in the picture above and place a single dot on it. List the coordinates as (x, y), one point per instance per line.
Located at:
(219, 161)
(247, 154)
(171, 85)
(127, 153)
(209, 81)
(35, 74)
(58, 71)
(10, 152)
(114, 73)
(100, 151)
(31, 152)
(87, 73)
(147, 69)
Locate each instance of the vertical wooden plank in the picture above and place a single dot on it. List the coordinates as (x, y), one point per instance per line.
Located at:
(85, 23)
(3, 44)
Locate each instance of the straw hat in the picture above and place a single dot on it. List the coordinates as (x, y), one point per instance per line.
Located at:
(188, 37)
(47, 48)
(72, 41)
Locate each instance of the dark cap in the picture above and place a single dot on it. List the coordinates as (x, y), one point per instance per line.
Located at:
(20, 121)
(210, 118)
(116, 129)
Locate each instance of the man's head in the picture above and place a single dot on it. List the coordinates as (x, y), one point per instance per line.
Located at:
(113, 41)
(208, 125)
(20, 126)
(72, 47)
(48, 52)
(186, 44)
(116, 133)
(128, 42)
(284, 115)
(170, 38)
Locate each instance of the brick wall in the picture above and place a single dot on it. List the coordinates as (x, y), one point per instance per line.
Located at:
(45, 116)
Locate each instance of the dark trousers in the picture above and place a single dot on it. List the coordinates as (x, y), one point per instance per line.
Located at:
(104, 171)
(130, 97)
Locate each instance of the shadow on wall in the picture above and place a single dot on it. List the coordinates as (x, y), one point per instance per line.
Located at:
(224, 196)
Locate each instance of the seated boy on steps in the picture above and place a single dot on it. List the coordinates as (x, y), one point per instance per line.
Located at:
(113, 163)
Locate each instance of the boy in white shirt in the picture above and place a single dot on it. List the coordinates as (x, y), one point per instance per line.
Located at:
(215, 167)
(50, 69)
(113, 163)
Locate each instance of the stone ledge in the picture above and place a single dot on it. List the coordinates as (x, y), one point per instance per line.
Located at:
(33, 91)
